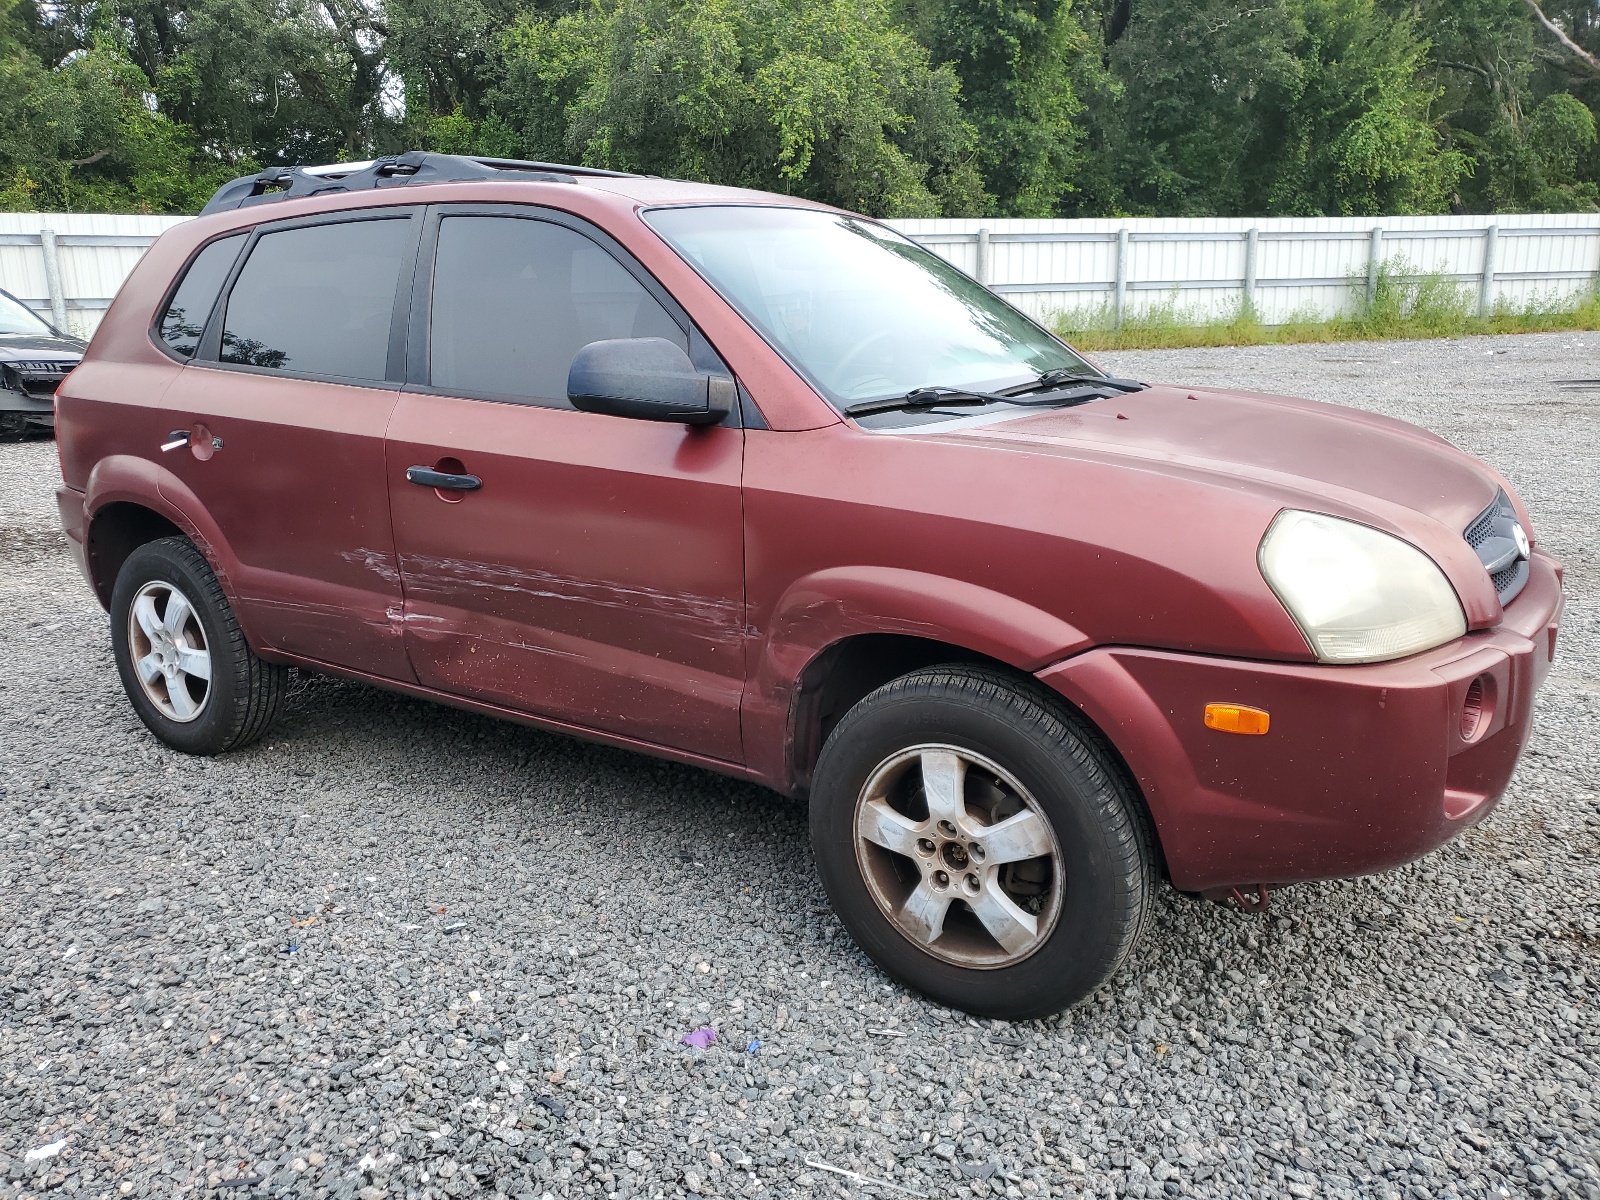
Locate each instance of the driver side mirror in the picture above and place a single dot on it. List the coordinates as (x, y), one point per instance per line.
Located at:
(649, 379)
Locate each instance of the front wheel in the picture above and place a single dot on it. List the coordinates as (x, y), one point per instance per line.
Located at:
(980, 843)
(184, 662)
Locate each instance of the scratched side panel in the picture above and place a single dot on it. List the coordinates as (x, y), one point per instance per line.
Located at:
(298, 488)
(596, 577)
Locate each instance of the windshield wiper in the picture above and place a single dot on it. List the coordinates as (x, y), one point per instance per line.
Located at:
(923, 398)
(1061, 378)
(1093, 387)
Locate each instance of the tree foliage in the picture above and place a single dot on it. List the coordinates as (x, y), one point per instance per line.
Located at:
(822, 98)
(1030, 108)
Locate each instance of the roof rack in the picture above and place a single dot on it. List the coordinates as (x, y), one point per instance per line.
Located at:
(417, 166)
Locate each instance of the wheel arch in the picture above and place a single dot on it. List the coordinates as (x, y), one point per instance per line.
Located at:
(137, 496)
(845, 672)
(849, 670)
(865, 621)
(116, 530)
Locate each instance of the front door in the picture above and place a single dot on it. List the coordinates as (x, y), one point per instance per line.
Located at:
(284, 405)
(596, 577)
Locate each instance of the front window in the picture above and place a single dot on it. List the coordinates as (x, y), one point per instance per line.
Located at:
(860, 311)
(514, 300)
(16, 317)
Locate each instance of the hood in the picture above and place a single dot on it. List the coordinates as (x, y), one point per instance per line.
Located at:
(1337, 459)
(1273, 452)
(40, 347)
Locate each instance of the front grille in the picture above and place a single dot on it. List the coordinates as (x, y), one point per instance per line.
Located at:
(1491, 535)
(37, 379)
(1483, 527)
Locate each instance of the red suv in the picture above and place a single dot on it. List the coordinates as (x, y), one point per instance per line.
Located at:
(762, 486)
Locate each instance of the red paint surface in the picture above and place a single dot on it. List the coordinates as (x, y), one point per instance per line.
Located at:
(597, 577)
(665, 588)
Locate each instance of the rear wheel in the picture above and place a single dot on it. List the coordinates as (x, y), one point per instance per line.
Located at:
(13, 427)
(980, 842)
(184, 662)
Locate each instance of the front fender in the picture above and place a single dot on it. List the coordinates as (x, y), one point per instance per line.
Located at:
(824, 608)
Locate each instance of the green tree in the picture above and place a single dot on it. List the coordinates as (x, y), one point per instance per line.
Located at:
(1510, 101)
(85, 136)
(1284, 106)
(1354, 123)
(274, 81)
(820, 98)
(1017, 61)
(1013, 107)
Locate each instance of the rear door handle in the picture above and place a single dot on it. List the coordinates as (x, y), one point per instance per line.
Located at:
(428, 477)
(196, 439)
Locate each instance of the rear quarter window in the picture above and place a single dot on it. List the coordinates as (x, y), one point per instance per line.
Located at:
(318, 300)
(185, 317)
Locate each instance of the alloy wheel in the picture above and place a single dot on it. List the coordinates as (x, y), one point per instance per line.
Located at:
(169, 651)
(959, 856)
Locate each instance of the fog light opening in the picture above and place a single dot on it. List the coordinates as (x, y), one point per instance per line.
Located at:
(1475, 709)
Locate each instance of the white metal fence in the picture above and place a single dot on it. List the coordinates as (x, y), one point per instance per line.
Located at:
(68, 266)
(1286, 267)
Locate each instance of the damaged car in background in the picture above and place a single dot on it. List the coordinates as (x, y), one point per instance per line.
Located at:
(34, 358)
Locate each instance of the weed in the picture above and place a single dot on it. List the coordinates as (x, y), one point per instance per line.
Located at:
(1403, 304)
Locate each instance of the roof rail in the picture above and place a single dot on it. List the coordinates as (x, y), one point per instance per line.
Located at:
(417, 166)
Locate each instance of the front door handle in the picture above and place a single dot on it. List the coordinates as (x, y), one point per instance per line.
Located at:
(442, 480)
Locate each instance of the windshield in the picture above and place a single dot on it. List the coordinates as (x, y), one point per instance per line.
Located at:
(15, 317)
(856, 308)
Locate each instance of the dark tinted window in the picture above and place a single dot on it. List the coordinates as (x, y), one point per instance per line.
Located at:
(317, 300)
(514, 300)
(185, 318)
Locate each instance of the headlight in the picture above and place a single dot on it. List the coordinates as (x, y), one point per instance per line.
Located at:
(1358, 595)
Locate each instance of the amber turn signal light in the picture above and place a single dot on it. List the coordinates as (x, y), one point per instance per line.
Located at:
(1237, 718)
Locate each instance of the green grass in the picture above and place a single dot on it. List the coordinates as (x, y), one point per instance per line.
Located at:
(1403, 305)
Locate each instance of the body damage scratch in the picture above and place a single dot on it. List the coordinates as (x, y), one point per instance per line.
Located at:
(709, 613)
(380, 562)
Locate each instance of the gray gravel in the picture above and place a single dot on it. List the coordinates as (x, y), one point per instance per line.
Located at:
(401, 950)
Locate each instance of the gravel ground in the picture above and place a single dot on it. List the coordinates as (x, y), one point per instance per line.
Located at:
(402, 950)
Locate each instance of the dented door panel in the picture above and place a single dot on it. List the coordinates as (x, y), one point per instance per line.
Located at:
(595, 577)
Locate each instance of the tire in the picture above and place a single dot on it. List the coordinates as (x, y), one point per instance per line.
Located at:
(1046, 821)
(13, 427)
(169, 618)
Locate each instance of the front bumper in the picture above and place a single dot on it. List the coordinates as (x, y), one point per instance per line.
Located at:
(1363, 769)
(40, 410)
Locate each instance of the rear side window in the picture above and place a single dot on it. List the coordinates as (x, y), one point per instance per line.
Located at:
(514, 300)
(185, 318)
(318, 300)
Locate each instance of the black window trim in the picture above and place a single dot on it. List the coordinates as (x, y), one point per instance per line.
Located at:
(207, 354)
(417, 374)
(171, 293)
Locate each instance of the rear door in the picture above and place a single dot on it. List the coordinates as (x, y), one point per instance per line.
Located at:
(290, 385)
(597, 575)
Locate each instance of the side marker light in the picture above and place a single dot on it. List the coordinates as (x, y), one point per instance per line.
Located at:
(1237, 718)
